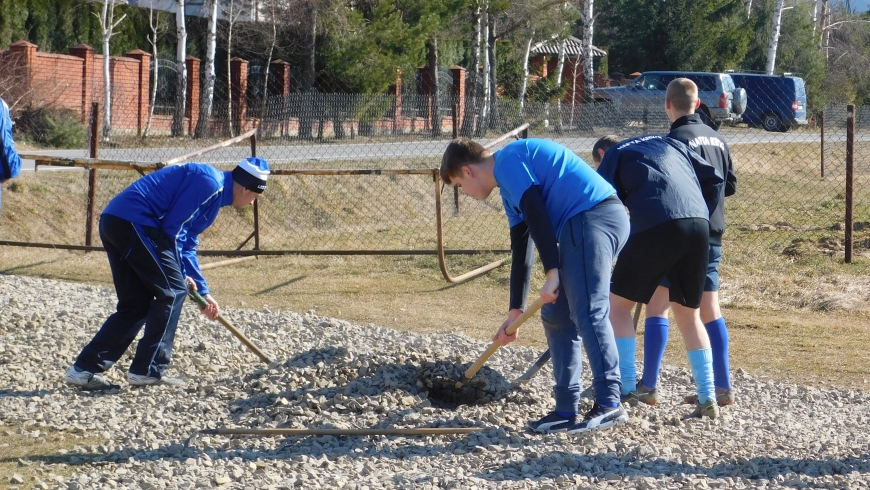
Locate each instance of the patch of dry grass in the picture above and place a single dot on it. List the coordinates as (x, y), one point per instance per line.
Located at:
(30, 456)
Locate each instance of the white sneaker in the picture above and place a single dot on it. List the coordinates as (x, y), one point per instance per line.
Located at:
(142, 380)
(88, 380)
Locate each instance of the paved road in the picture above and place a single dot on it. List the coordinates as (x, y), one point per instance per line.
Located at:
(405, 153)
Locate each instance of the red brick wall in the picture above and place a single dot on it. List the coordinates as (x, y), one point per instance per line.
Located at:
(57, 81)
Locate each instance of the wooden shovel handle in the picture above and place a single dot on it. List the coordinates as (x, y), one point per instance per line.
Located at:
(510, 330)
(199, 300)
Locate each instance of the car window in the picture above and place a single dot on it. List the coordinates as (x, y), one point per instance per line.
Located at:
(705, 83)
(650, 82)
(728, 84)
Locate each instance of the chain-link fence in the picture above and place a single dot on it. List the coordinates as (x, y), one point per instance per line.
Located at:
(370, 184)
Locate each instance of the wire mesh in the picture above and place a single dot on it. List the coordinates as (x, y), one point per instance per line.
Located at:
(790, 199)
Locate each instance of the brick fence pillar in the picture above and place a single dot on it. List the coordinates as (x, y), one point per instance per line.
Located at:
(239, 77)
(86, 53)
(22, 59)
(279, 84)
(143, 87)
(458, 74)
(193, 87)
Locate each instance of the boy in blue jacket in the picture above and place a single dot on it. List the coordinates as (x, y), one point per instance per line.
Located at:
(10, 162)
(669, 191)
(150, 233)
(578, 226)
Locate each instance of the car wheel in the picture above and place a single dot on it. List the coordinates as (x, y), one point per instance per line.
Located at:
(771, 122)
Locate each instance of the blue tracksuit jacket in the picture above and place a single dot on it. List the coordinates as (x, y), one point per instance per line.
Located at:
(181, 201)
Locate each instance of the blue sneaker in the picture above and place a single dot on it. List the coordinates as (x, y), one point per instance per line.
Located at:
(552, 422)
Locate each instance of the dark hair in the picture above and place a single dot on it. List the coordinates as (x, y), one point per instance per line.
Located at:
(604, 143)
(460, 152)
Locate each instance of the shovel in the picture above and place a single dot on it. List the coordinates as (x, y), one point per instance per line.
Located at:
(196, 297)
(510, 330)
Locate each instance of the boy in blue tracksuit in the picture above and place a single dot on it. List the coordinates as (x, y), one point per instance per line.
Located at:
(669, 191)
(150, 233)
(10, 162)
(578, 226)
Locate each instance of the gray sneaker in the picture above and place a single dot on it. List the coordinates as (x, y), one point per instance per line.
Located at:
(142, 380)
(649, 396)
(723, 398)
(709, 409)
(89, 381)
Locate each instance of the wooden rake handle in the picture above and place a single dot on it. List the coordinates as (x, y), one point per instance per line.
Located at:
(510, 330)
(199, 300)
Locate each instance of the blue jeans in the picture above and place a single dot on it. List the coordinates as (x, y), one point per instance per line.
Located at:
(151, 291)
(588, 245)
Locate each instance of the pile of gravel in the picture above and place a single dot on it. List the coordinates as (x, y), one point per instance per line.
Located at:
(330, 373)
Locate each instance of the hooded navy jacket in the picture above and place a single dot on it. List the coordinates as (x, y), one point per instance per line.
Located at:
(692, 131)
(660, 179)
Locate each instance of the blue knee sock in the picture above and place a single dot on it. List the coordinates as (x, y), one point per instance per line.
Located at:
(718, 334)
(627, 349)
(701, 361)
(655, 339)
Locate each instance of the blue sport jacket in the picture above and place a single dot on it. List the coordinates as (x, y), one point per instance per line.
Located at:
(10, 162)
(181, 201)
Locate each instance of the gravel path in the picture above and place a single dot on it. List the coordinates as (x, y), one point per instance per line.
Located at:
(333, 374)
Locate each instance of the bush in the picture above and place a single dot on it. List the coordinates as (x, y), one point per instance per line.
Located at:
(57, 128)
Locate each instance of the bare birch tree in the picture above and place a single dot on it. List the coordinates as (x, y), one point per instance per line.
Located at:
(181, 71)
(107, 29)
(774, 36)
(588, 17)
(474, 78)
(524, 84)
(206, 95)
(155, 28)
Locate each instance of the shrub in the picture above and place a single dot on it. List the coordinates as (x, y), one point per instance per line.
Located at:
(57, 128)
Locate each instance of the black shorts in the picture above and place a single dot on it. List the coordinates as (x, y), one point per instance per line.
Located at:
(676, 250)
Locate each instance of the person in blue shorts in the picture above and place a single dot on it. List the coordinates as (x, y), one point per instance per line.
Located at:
(681, 101)
(578, 226)
(669, 191)
(150, 233)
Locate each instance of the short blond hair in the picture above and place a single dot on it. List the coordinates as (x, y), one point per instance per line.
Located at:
(683, 95)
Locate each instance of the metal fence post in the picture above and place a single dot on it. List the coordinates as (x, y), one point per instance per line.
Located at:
(850, 165)
(822, 149)
(455, 135)
(92, 174)
(256, 201)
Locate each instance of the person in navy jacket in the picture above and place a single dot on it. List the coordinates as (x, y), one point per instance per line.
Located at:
(669, 191)
(150, 233)
(10, 162)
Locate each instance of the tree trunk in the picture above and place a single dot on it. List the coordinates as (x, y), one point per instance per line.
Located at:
(493, 77)
(181, 73)
(525, 83)
(307, 117)
(823, 28)
(154, 24)
(748, 4)
(473, 86)
(435, 102)
(560, 67)
(588, 70)
(107, 20)
(206, 98)
(774, 37)
(483, 117)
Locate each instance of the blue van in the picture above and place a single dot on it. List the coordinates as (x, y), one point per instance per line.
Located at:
(774, 102)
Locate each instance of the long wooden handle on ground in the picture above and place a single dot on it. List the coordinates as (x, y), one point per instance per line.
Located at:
(510, 330)
(195, 296)
(420, 431)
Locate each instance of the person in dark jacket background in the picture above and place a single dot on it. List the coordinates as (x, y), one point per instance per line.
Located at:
(687, 126)
(150, 233)
(10, 162)
(669, 191)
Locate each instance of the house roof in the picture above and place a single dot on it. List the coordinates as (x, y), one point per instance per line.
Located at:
(573, 48)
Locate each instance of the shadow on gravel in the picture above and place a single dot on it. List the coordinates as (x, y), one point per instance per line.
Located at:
(632, 465)
(279, 286)
(12, 270)
(7, 393)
